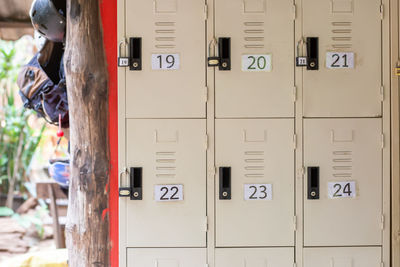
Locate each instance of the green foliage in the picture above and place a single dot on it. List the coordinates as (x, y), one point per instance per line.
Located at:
(36, 219)
(18, 140)
(6, 212)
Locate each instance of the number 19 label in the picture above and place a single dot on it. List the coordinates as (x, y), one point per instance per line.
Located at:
(339, 60)
(342, 189)
(256, 63)
(258, 192)
(165, 61)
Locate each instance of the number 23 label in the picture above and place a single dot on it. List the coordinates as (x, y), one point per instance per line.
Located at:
(168, 192)
(341, 190)
(165, 61)
(339, 60)
(258, 191)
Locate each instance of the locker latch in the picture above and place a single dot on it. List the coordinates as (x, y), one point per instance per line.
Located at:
(224, 183)
(135, 53)
(313, 182)
(223, 60)
(134, 190)
(312, 53)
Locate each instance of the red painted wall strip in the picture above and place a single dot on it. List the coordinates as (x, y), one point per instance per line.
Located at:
(109, 18)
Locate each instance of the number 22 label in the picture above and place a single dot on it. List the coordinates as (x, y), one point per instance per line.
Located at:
(168, 192)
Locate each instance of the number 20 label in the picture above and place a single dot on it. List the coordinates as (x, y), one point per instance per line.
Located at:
(258, 192)
(168, 192)
(256, 63)
(339, 60)
(342, 189)
(165, 61)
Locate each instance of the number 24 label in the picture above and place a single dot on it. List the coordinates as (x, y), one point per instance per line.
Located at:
(339, 60)
(168, 192)
(258, 191)
(342, 189)
(165, 61)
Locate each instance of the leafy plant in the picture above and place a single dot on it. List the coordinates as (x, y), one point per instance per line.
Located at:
(18, 140)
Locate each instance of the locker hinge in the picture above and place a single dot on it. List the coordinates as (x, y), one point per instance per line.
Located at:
(206, 94)
(294, 11)
(295, 223)
(294, 94)
(206, 142)
(205, 12)
(206, 224)
(381, 9)
(382, 93)
(295, 141)
(383, 140)
(382, 222)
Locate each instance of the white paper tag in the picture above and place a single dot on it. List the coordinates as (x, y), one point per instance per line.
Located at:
(168, 192)
(342, 189)
(339, 60)
(258, 192)
(254, 63)
(165, 61)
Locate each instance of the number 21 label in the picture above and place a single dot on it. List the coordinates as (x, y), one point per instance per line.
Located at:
(339, 60)
(165, 61)
(258, 192)
(342, 190)
(168, 192)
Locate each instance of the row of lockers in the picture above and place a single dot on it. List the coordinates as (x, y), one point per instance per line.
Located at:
(254, 182)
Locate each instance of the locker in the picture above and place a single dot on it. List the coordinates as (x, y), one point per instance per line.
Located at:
(342, 257)
(171, 82)
(172, 155)
(260, 155)
(261, 80)
(343, 160)
(255, 257)
(166, 257)
(348, 32)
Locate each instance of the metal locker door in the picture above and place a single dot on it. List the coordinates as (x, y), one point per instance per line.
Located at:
(342, 257)
(166, 257)
(171, 82)
(261, 80)
(172, 158)
(343, 182)
(254, 257)
(346, 78)
(255, 162)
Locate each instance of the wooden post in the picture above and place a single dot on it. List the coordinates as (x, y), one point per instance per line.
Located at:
(87, 226)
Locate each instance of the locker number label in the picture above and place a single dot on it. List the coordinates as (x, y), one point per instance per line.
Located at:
(258, 192)
(256, 63)
(342, 189)
(165, 61)
(168, 192)
(339, 60)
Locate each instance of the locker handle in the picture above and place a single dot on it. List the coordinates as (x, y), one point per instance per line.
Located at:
(224, 52)
(135, 53)
(313, 182)
(224, 183)
(312, 53)
(136, 183)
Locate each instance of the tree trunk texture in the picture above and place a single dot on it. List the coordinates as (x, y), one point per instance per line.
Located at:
(87, 84)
